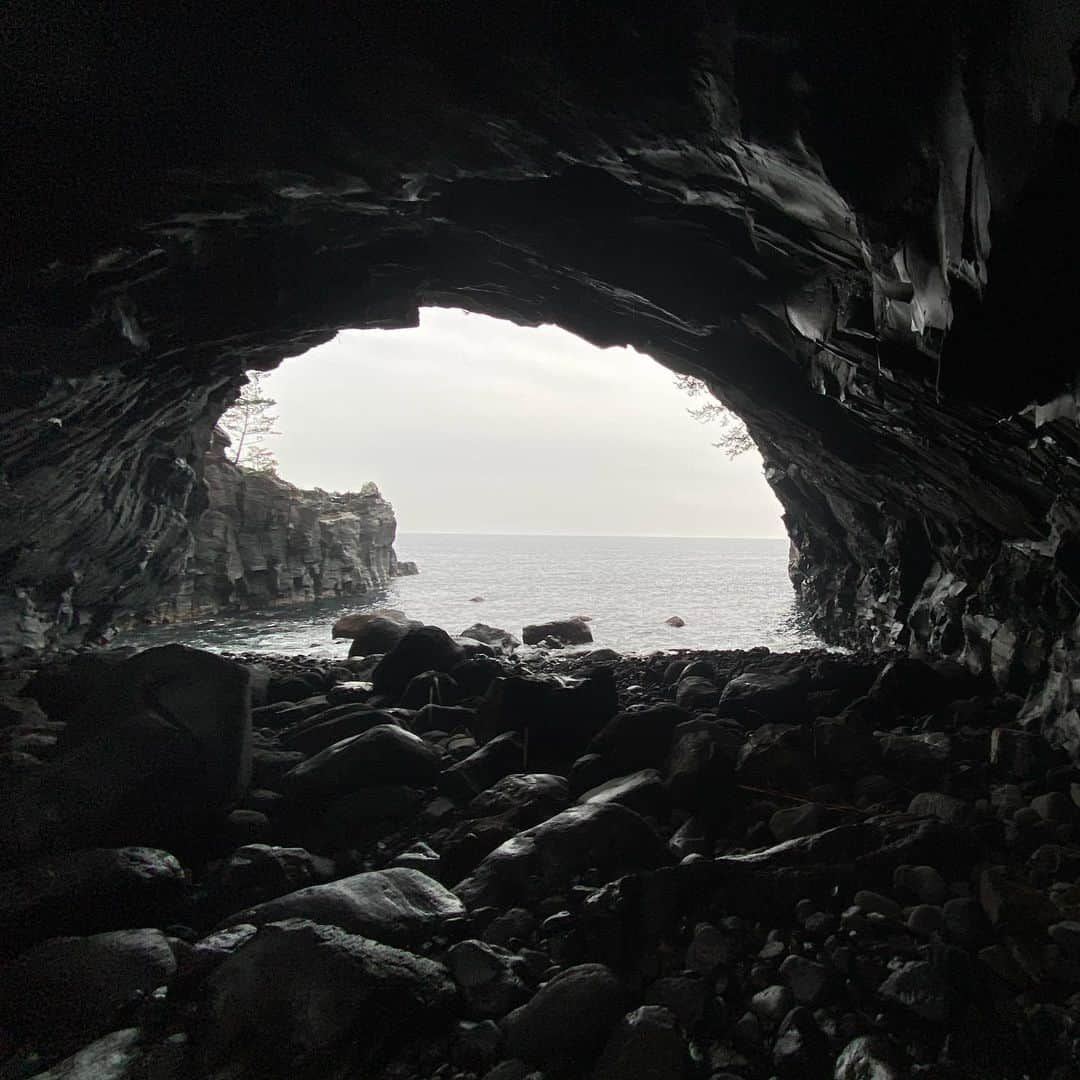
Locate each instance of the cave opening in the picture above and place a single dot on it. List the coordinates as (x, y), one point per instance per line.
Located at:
(528, 472)
(440, 855)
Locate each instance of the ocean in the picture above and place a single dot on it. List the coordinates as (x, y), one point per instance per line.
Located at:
(732, 594)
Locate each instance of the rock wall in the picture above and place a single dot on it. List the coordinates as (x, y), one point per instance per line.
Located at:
(262, 542)
(860, 229)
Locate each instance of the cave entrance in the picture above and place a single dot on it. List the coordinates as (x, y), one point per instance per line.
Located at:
(536, 476)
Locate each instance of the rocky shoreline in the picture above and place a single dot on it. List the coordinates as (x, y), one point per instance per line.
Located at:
(449, 862)
(262, 542)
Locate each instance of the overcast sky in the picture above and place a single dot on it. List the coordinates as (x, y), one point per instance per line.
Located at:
(473, 425)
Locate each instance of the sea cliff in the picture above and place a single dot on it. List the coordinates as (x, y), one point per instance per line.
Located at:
(262, 542)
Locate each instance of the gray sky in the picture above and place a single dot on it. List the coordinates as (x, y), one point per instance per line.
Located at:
(471, 424)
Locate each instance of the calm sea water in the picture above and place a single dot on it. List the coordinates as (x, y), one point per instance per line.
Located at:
(733, 594)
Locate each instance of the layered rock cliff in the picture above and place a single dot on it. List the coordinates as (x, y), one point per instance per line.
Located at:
(859, 228)
(262, 542)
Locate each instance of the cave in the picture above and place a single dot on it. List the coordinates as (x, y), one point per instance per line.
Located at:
(857, 225)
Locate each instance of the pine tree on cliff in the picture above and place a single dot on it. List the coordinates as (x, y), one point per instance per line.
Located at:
(248, 423)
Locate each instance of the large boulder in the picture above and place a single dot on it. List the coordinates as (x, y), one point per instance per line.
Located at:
(566, 631)
(398, 906)
(374, 631)
(638, 738)
(87, 891)
(560, 716)
(423, 648)
(299, 991)
(159, 745)
(569, 1018)
(68, 990)
(502, 640)
(384, 755)
(604, 835)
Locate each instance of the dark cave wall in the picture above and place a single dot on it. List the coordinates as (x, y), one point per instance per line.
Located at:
(858, 227)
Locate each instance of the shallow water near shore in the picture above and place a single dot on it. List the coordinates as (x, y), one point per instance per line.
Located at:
(732, 594)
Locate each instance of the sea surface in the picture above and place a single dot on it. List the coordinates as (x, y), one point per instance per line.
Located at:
(732, 594)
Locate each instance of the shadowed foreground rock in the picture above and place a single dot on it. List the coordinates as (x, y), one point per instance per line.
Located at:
(826, 883)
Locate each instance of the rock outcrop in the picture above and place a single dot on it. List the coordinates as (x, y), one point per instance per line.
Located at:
(859, 229)
(263, 542)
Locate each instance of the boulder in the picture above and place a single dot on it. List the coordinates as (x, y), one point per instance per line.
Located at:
(384, 755)
(642, 791)
(569, 1018)
(490, 978)
(560, 716)
(573, 631)
(256, 873)
(68, 990)
(84, 892)
(645, 1045)
(338, 986)
(334, 725)
(639, 738)
(608, 836)
(482, 768)
(430, 688)
(423, 648)
(375, 631)
(116, 1056)
(525, 798)
(773, 695)
(502, 640)
(159, 746)
(398, 906)
(696, 693)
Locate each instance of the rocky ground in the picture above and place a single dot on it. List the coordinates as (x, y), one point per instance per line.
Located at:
(446, 862)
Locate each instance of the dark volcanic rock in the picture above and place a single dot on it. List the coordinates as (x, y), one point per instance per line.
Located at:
(385, 754)
(564, 631)
(397, 906)
(298, 991)
(424, 648)
(262, 542)
(160, 744)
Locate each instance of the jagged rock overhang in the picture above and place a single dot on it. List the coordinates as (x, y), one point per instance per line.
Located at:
(869, 258)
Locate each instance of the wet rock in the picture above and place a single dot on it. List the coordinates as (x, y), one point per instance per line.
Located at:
(697, 694)
(560, 716)
(801, 820)
(502, 640)
(398, 906)
(88, 891)
(873, 903)
(484, 767)
(569, 1018)
(776, 754)
(160, 745)
(918, 987)
(339, 986)
(383, 755)
(684, 995)
(1018, 754)
(944, 807)
(645, 1045)
(443, 718)
(1054, 806)
(642, 791)
(489, 977)
(424, 648)
(374, 631)
(638, 739)
(675, 620)
(565, 631)
(430, 688)
(258, 872)
(800, 1049)
(923, 883)
(342, 722)
(772, 695)
(710, 948)
(773, 1003)
(66, 991)
(700, 772)
(869, 1057)
(810, 983)
(115, 1056)
(608, 836)
(916, 756)
(1014, 905)
(526, 798)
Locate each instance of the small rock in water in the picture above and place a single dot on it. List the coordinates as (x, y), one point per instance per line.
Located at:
(476, 599)
(675, 620)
